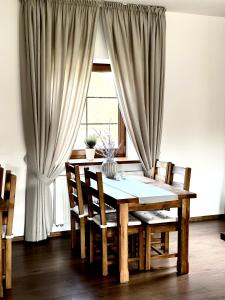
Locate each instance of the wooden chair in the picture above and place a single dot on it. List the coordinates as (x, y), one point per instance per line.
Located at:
(161, 172)
(78, 210)
(78, 206)
(9, 197)
(180, 178)
(106, 224)
(162, 221)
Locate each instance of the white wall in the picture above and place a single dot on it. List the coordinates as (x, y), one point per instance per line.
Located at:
(12, 149)
(194, 121)
(194, 111)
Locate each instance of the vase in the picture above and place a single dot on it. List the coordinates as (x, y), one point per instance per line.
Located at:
(109, 168)
(90, 153)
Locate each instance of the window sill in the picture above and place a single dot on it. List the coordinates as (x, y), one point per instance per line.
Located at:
(99, 161)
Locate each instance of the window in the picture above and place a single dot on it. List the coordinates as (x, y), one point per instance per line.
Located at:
(101, 108)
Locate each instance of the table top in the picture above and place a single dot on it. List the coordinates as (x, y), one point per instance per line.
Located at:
(140, 189)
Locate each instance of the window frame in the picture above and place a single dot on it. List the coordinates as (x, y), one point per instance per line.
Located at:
(80, 153)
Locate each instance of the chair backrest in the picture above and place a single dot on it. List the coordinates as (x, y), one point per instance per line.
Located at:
(161, 170)
(7, 184)
(94, 186)
(74, 187)
(6, 194)
(180, 177)
(9, 195)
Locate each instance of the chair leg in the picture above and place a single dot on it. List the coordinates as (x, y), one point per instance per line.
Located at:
(3, 262)
(148, 248)
(133, 245)
(104, 253)
(82, 238)
(141, 249)
(73, 233)
(165, 241)
(91, 243)
(8, 256)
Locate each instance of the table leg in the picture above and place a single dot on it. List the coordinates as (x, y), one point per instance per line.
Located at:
(183, 237)
(1, 277)
(123, 242)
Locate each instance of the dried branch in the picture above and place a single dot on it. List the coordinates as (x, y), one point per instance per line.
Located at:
(108, 149)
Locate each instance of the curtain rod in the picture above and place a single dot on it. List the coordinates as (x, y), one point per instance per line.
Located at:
(101, 3)
(129, 3)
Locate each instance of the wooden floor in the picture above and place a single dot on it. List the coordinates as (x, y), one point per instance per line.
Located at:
(49, 270)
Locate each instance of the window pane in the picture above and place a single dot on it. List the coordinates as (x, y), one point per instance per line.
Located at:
(81, 137)
(102, 110)
(101, 85)
(103, 130)
(83, 120)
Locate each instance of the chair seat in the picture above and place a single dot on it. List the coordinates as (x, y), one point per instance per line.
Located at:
(75, 209)
(108, 208)
(111, 219)
(155, 217)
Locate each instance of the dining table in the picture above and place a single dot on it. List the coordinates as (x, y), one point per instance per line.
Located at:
(139, 193)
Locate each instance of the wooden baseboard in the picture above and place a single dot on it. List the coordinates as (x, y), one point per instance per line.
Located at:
(192, 219)
(18, 238)
(59, 234)
(207, 218)
(52, 235)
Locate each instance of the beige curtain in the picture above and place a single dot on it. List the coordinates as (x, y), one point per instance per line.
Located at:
(57, 44)
(135, 38)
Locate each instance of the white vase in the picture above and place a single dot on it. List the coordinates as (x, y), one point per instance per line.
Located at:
(109, 168)
(90, 153)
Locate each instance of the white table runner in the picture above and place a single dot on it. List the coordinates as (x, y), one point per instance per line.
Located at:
(146, 192)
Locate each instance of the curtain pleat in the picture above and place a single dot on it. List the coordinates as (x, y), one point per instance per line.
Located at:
(57, 46)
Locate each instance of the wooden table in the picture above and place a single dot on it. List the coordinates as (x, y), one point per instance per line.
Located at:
(140, 193)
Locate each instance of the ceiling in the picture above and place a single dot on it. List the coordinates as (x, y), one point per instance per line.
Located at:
(201, 7)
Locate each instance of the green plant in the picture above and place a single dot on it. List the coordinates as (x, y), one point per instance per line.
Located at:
(90, 141)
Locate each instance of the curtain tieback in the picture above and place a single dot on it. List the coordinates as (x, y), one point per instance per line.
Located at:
(44, 179)
(148, 173)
